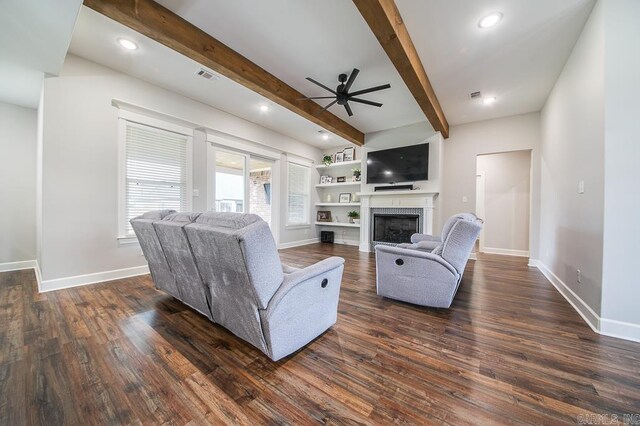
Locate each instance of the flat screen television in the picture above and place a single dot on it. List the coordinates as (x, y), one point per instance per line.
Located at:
(406, 164)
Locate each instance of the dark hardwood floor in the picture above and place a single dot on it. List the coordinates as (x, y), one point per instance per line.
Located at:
(510, 350)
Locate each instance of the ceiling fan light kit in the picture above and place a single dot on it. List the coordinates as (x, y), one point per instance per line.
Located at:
(342, 96)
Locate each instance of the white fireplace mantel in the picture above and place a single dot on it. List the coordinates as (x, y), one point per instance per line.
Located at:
(398, 199)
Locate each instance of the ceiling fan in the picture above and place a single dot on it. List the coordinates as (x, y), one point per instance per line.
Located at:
(342, 96)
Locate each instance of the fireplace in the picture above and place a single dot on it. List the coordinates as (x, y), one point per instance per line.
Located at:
(392, 226)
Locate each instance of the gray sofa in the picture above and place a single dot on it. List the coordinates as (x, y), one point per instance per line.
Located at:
(226, 266)
(428, 271)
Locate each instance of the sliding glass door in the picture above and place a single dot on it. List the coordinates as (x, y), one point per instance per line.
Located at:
(242, 183)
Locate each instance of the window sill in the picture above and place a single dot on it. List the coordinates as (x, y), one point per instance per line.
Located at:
(298, 226)
(127, 241)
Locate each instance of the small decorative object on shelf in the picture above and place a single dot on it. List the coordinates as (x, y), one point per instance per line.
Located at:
(356, 174)
(344, 197)
(349, 154)
(339, 157)
(324, 216)
(353, 216)
(327, 160)
(329, 198)
(323, 180)
(342, 179)
(329, 179)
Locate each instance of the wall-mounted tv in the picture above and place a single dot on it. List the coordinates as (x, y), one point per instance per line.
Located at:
(406, 164)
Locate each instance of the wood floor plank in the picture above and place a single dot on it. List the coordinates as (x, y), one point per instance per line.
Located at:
(510, 350)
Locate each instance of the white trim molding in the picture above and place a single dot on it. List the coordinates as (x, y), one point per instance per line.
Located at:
(604, 326)
(298, 243)
(17, 266)
(505, 252)
(98, 277)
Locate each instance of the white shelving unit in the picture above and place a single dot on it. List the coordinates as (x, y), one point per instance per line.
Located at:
(328, 197)
(341, 224)
(329, 185)
(336, 165)
(337, 204)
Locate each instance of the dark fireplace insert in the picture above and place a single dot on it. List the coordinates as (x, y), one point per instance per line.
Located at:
(394, 228)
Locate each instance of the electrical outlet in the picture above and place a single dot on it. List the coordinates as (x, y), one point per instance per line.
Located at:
(579, 276)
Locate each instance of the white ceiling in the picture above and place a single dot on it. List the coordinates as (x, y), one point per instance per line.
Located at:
(34, 37)
(295, 39)
(518, 60)
(95, 38)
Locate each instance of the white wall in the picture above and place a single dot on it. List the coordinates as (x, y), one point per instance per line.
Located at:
(467, 141)
(18, 127)
(571, 224)
(79, 166)
(621, 288)
(507, 190)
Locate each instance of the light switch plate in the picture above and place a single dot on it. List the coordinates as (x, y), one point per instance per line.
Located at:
(196, 192)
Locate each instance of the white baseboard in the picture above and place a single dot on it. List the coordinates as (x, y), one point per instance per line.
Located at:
(16, 266)
(505, 252)
(348, 242)
(620, 329)
(79, 280)
(299, 243)
(585, 311)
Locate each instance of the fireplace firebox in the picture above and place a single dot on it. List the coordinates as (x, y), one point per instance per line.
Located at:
(394, 228)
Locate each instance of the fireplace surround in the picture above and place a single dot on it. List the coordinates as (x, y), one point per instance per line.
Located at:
(392, 226)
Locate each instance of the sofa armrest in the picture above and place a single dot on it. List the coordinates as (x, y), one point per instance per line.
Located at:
(295, 278)
(289, 269)
(416, 238)
(420, 254)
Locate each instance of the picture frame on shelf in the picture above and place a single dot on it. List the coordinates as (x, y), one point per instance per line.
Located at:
(323, 180)
(344, 197)
(329, 179)
(341, 179)
(339, 157)
(349, 154)
(323, 216)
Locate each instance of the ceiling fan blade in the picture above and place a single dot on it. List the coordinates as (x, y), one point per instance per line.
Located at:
(369, 90)
(348, 108)
(364, 101)
(324, 109)
(321, 85)
(317, 97)
(352, 78)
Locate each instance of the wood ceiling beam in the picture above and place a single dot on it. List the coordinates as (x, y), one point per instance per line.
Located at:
(160, 24)
(385, 21)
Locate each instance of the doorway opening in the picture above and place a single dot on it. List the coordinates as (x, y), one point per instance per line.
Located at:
(503, 201)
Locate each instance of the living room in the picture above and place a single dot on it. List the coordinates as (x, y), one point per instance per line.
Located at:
(508, 125)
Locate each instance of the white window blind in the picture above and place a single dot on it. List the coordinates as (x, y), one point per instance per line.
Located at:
(155, 171)
(298, 197)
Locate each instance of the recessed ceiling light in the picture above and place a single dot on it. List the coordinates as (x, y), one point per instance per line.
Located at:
(324, 135)
(490, 20)
(489, 100)
(127, 44)
(264, 108)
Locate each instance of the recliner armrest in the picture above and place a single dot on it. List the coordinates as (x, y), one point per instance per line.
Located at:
(291, 280)
(397, 251)
(416, 238)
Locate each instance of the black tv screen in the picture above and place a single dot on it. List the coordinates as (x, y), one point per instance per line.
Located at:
(406, 164)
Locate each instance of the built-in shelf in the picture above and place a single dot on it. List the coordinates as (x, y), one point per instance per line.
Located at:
(337, 204)
(342, 164)
(342, 224)
(328, 185)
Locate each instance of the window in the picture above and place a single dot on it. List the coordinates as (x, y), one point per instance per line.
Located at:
(154, 172)
(298, 196)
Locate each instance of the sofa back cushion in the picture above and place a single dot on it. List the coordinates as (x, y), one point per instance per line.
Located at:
(238, 260)
(461, 238)
(172, 237)
(153, 252)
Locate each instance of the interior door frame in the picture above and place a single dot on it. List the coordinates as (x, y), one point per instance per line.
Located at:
(480, 207)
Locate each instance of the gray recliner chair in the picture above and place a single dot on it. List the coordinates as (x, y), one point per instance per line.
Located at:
(226, 266)
(428, 271)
